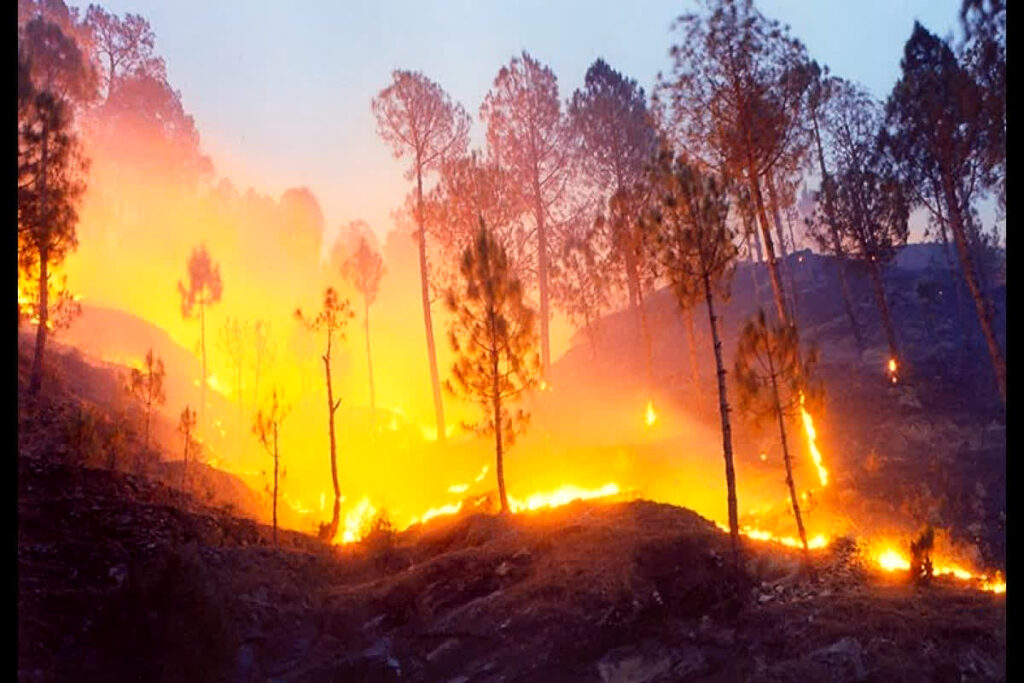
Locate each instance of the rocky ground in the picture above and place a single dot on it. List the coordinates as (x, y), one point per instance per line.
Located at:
(125, 579)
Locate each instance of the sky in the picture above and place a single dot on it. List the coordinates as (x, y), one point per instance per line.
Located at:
(281, 92)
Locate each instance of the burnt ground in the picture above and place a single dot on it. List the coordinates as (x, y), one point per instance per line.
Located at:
(121, 578)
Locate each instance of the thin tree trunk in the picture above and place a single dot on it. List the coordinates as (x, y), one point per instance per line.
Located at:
(275, 483)
(369, 356)
(332, 406)
(789, 466)
(723, 405)
(646, 333)
(777, 218)
(202, 386)
(428, 324)
(837, 245)
(967, 266)
(36, 379)
(773, 266)
(542, 278)
(146, 440)
(691, 337)
(496, 395)
(883, 310)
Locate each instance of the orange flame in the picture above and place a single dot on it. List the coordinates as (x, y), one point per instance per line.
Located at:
(561, 496)
(650, 417)
(891, 560)
(356, 520)
(812, 435)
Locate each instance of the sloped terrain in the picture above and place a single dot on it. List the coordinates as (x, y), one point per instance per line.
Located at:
(121, 579)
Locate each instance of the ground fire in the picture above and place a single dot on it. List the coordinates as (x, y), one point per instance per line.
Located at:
(486, 368)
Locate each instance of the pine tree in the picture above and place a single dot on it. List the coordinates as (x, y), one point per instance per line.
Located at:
(495, 343)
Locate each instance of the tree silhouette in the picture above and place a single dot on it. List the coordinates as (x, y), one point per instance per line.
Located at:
(580, 287)
(147, 385)
(233, 340)
(330, 321)
(364, 267)
(51, 182)
(734, 102)
(204, 289)
(527, 135)
(616, 141)
(821, 101)
(984, 53)
(186, 427)
(695, 248)
(938, 133)
(869, 207)
(418, 119)
(267, 426)
(771, 381)
(123, 48)
(495, 344)
(262, 353)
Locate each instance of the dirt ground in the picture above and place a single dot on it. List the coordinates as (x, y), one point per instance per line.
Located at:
(123, 578)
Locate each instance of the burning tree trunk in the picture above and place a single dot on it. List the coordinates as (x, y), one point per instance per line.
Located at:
(789, 466)
(771, 378)
(883, 309)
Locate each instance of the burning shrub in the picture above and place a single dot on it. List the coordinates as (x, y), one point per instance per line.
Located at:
(920, 557)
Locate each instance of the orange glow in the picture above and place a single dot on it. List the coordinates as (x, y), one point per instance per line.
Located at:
(650, 417)
(356, 521)
(812, 435)
(450, 509)
(561, 496)
(891, 560)
(815, 542)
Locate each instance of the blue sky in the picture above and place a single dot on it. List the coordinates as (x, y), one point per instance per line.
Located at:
(281, 91)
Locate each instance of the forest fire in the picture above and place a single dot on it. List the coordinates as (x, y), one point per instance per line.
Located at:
(892, 367)
(561, 496)
(816, 542)
(891, 560)
(650, 417)
(812, 435)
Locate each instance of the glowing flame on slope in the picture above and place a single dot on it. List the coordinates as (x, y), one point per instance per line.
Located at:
(811, 443)
(891, 560)
(450, 509)
(892, 369)
(357, 519)
(813, 543)
(650, 417)
(561, 496)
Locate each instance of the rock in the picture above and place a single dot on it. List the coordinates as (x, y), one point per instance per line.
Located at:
(627, 665)
(844, 659)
